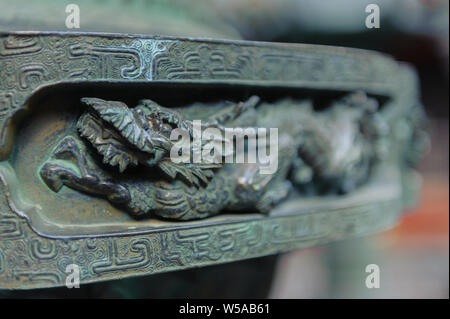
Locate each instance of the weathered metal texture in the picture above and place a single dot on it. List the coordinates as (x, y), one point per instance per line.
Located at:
(43, 77)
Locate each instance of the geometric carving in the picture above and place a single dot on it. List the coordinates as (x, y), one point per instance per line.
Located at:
(38, 239)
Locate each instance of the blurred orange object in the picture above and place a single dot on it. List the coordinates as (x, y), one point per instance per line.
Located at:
(428, 223)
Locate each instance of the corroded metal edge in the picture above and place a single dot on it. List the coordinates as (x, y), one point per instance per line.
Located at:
(31, 61)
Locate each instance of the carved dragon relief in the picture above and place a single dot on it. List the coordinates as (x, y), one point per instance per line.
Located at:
(123, 154)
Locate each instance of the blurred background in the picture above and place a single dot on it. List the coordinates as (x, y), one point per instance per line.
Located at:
(414, 256)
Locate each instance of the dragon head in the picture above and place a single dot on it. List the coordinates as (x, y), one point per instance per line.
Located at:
(124, 135)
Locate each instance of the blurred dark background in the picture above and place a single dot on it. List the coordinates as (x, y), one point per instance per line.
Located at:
(414, 256)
